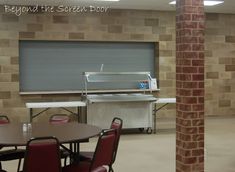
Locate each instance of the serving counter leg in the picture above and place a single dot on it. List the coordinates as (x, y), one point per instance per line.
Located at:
(154, 119)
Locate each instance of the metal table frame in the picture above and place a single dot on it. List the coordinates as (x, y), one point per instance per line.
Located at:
(164, 102)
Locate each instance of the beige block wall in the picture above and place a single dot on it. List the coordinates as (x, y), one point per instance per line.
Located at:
(118, 25)
(220, 64)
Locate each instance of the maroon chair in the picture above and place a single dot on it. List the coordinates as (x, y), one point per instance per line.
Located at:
(116, 124)
(103, 153)
(59, 119)
(4, 119)
(42, 155)
(10, 154)
(99, 169)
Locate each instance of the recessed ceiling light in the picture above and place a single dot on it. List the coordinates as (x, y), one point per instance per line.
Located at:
(108, 0)
(206, 3)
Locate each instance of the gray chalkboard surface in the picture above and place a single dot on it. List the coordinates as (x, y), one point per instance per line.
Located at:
(59, 65)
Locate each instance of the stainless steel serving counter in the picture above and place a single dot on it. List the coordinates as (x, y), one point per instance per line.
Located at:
(95, 98)
(134, 109)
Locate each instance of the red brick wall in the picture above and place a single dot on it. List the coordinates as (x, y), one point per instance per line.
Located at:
(190, 86)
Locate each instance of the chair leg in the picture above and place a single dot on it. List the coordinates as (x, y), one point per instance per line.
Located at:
(70, 156)
(65, 160)
(111, 169)
(19, 163)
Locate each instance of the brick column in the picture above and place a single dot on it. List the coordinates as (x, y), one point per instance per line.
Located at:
(190, 86)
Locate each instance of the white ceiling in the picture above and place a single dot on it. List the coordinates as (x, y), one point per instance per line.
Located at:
(227, 7)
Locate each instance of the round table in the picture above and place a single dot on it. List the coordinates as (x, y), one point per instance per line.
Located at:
(14, 134)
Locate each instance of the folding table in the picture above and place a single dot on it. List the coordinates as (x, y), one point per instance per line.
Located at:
(47, 105)
(164, 102)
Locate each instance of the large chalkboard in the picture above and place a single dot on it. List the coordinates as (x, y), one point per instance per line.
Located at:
(59, 65)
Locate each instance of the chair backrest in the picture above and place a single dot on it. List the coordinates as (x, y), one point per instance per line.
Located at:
(116, 124)
(104, 149)
(4, 119)
(59, 119)
(99, 169)
(42, 155)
